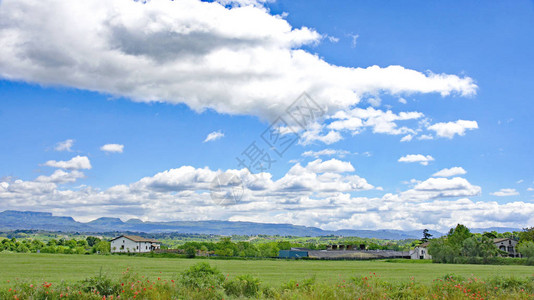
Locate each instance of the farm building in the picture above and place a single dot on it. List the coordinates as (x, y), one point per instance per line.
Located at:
(507, 245)
(420, 252)
(341, 252)
(133, 243)
(292, 253)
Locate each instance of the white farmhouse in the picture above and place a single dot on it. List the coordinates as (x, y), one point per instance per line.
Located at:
(133, 244)
(420, 252)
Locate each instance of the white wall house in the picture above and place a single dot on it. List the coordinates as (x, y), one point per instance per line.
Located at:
(133, 244)
(420, 252)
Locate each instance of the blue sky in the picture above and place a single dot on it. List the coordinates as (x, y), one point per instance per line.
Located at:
(452, 84)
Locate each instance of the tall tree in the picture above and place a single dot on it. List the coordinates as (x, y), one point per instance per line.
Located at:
(527, 235)
(458, 235)
(426, 236)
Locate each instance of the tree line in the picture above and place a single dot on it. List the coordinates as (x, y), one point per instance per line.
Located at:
(64, 246)
(460, 245)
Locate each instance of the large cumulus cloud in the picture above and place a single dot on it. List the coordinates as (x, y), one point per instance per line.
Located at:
(236, 59)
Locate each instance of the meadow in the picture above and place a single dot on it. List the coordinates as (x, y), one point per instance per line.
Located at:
(55, 268)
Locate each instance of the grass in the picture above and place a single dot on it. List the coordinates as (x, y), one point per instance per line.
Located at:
(55, 268)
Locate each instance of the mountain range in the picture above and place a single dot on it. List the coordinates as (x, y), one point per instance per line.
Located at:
(29, 220)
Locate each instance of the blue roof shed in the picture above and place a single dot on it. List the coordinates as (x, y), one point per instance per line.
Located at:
(292, 254)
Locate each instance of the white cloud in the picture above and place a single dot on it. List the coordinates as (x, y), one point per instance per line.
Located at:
(520, 181)
(425, 137)
(315, 134)
(240, 60)
(530, 189)
(380, 121)
(449, 129)
(374, 101)
(65, 145)
(402, 100)
(505, 193)
(326, 152)
(244, 2)
(434, 188)
(454, 171)
(301, 197)
(78, 162)
(180, 179)
(354, 38)
(407, 138)
(333, 39)
(213, 136)
(411, 182)
(411, 158)
(332, 165)
(115, 148)
(60, 176)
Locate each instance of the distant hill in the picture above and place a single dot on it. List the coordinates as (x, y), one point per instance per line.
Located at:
(13, 220)
(497, 229)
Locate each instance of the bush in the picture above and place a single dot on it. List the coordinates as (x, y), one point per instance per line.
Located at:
(509, 282)
(306, 284)
(244, 285)
(202, 276)
(101, 284)
(453, 277)
(527, 250)
(134, 286)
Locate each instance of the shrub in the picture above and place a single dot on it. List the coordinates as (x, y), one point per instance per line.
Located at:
(305, 284)
(101, 284)
(453, 277)
(527, 250)
(244, 285)
(202, 276)
(509, 282)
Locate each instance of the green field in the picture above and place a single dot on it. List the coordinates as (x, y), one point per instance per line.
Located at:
(57, 267)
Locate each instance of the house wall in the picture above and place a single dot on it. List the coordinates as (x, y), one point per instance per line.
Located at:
(124, 245)
(420, 253)
(509, 246)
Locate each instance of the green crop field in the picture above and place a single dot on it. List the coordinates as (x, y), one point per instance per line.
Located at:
(38, 268)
